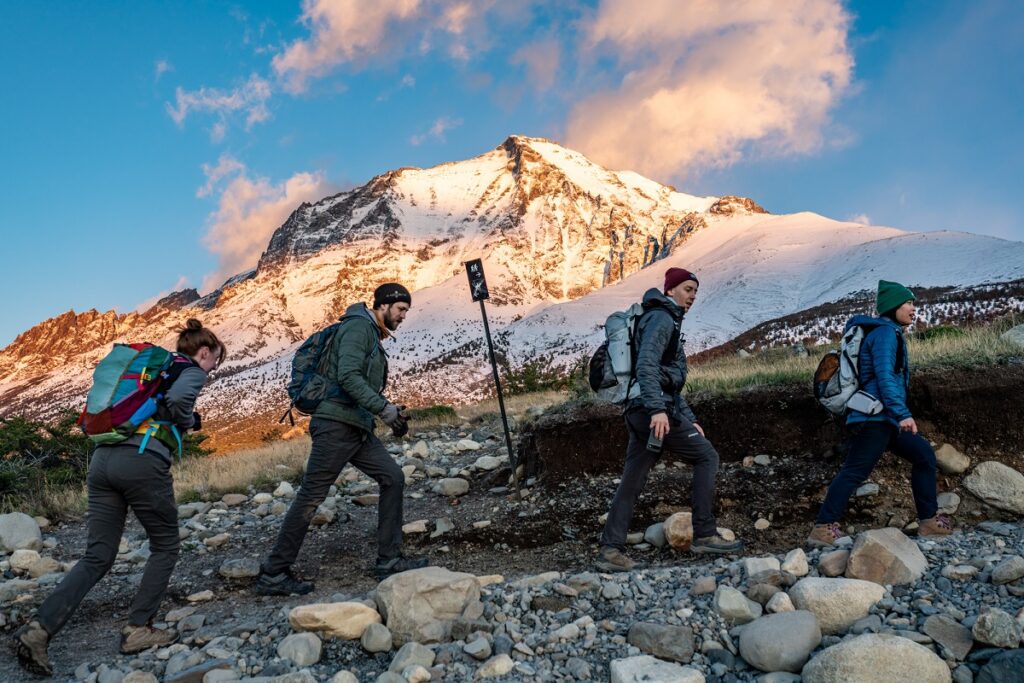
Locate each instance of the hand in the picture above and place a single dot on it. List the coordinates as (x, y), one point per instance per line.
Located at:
(389, 415)
(197, 422)
(909, 425)
(659, 425)
(698, 428)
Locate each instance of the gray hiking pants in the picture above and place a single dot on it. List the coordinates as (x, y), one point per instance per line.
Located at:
(335, 444)
(120, 476)
(683, 441)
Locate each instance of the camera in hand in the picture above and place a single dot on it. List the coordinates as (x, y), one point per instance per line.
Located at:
(197, 422)
(654, 443)
(401, 426)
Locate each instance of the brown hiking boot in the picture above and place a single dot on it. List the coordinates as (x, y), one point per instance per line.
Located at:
(30, 643)
(824, 535)
(139, 638)
(611, 559)
(715, 545)
(939, 525)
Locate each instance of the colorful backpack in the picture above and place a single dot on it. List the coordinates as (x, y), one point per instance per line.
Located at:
(127, 386)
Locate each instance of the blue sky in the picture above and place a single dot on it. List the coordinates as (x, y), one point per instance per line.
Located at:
(152, 146)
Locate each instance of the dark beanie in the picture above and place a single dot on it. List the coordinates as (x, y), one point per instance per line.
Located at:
(391, 293)
(675, 276)
(891, 295)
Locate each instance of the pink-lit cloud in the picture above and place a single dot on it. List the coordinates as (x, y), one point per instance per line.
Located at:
(707, 81)
(250, 98)
(437, 130)
(541, 59)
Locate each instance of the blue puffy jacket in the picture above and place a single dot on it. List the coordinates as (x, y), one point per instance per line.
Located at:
(879, 374)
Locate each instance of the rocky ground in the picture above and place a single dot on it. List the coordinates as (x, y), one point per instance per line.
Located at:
(518, 600)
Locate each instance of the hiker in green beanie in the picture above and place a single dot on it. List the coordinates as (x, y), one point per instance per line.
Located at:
(883, 369)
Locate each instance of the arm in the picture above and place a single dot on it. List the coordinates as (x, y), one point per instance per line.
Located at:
(684, 407)
(890, 384)
(180, 399)
(353, 342)
(656, 334)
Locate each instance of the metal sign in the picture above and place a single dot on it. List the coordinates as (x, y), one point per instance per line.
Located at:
(477, 281)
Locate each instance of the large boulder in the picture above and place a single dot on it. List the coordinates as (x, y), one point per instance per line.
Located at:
(886, 556)
(953, 636)
(780, 642)
(876, 658)
(1015, 335)
(647, 669)
(19, 531)
(996, 627)
(997, 485)
(837, 603)
(345, 620)
(420, 604)
(679, 530)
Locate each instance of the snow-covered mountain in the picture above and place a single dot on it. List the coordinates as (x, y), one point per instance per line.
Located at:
(564, 242)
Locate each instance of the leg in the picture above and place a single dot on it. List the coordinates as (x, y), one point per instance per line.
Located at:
(333, 445)
(374, 460)
(867, 444)
(639, 461)
(149, 489)
(686, 442)
(916, 450)
(107, 512)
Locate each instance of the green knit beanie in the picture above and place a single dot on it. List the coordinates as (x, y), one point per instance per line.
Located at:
(891, 295)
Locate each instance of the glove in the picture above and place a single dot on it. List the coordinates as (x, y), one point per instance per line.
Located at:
(390, 414)
(401, 426)
(197, 422)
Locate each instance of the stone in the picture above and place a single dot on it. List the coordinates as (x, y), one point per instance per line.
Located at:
(679, 530)
(865, 490)
(876, 658)
(234, 499)
(262, 498)
(217, 540)
(1014, 335)
(795, 562)
(478, 649)
(959, 572)
(417, 527)
(197, 672)
(18, 531)
(284, 490)
(241, 568)
(368, 500)
(303, 649)
(761, 593)
(464, 445)
(1005, 667)
(655, 535)
(950, 460)
(663, 641)
(412, 654)
(996, 627)
(704, 585)
(15, 588)
(487, 463)
(756, 565)
(344, 677)
(496, 666)
(761, 524)
(201, 596)
(647, 669)
(1006, 571)
(833, 563)
(780, 642)
(954, 637)
(998, 485)
(452, 486)
(344, 620)
(44, 566)
(763, 459)
(949, 502)
(416, 674)
(23, 558)
(887, 557)
(420, 604)
(780, 602)
(376, 638)
(837, 603)
(139, 677)
(735, 607)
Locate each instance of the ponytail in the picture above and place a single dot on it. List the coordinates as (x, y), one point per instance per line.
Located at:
(194, 337)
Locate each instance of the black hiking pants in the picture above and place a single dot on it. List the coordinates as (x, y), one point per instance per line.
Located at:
(336, 444)
(119, 477)
(684, 442)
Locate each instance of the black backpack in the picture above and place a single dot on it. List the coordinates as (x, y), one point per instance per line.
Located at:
(308, 385)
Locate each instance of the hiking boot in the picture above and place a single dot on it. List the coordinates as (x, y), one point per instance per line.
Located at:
(824, 535)
(716, 544)
(396, 565)
(30, 643)
(138, 638)
(939, 525)
(611, 559)
(284, 583)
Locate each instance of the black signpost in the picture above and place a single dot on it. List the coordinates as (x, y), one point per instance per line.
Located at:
(478, 288)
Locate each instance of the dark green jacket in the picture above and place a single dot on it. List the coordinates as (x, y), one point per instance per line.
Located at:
(358, 363)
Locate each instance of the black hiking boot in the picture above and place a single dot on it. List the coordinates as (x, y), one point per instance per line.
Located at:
(716, 545)
(396, 565)
(284, 583)
(30, 642)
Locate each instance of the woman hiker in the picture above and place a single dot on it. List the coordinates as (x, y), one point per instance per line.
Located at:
(137, 473)
(884, 370)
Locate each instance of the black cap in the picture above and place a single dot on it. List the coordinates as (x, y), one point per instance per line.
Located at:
(391, 293)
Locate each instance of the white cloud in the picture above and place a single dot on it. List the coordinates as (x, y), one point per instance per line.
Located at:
(705, 82)
(161, 67)
(861, 218)
(251, 98)
(248, 212)
(541, 60)
(437, 130)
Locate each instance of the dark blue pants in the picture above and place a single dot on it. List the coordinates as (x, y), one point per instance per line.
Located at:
(868, 442)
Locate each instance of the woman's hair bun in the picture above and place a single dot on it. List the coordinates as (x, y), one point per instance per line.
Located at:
(193, 324)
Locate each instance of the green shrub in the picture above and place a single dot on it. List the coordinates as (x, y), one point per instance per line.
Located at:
(435, 412)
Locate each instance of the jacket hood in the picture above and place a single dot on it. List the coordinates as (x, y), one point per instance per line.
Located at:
(359, 310)
(871, 322)
(654, 298)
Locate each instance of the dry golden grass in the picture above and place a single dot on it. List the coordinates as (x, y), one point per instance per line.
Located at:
(515, 406)
(235, 472)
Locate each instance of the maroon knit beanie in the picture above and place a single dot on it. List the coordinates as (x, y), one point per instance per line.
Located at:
(675, 276)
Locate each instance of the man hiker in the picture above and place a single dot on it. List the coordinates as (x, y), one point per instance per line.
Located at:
(659, 419)
(343, 432)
